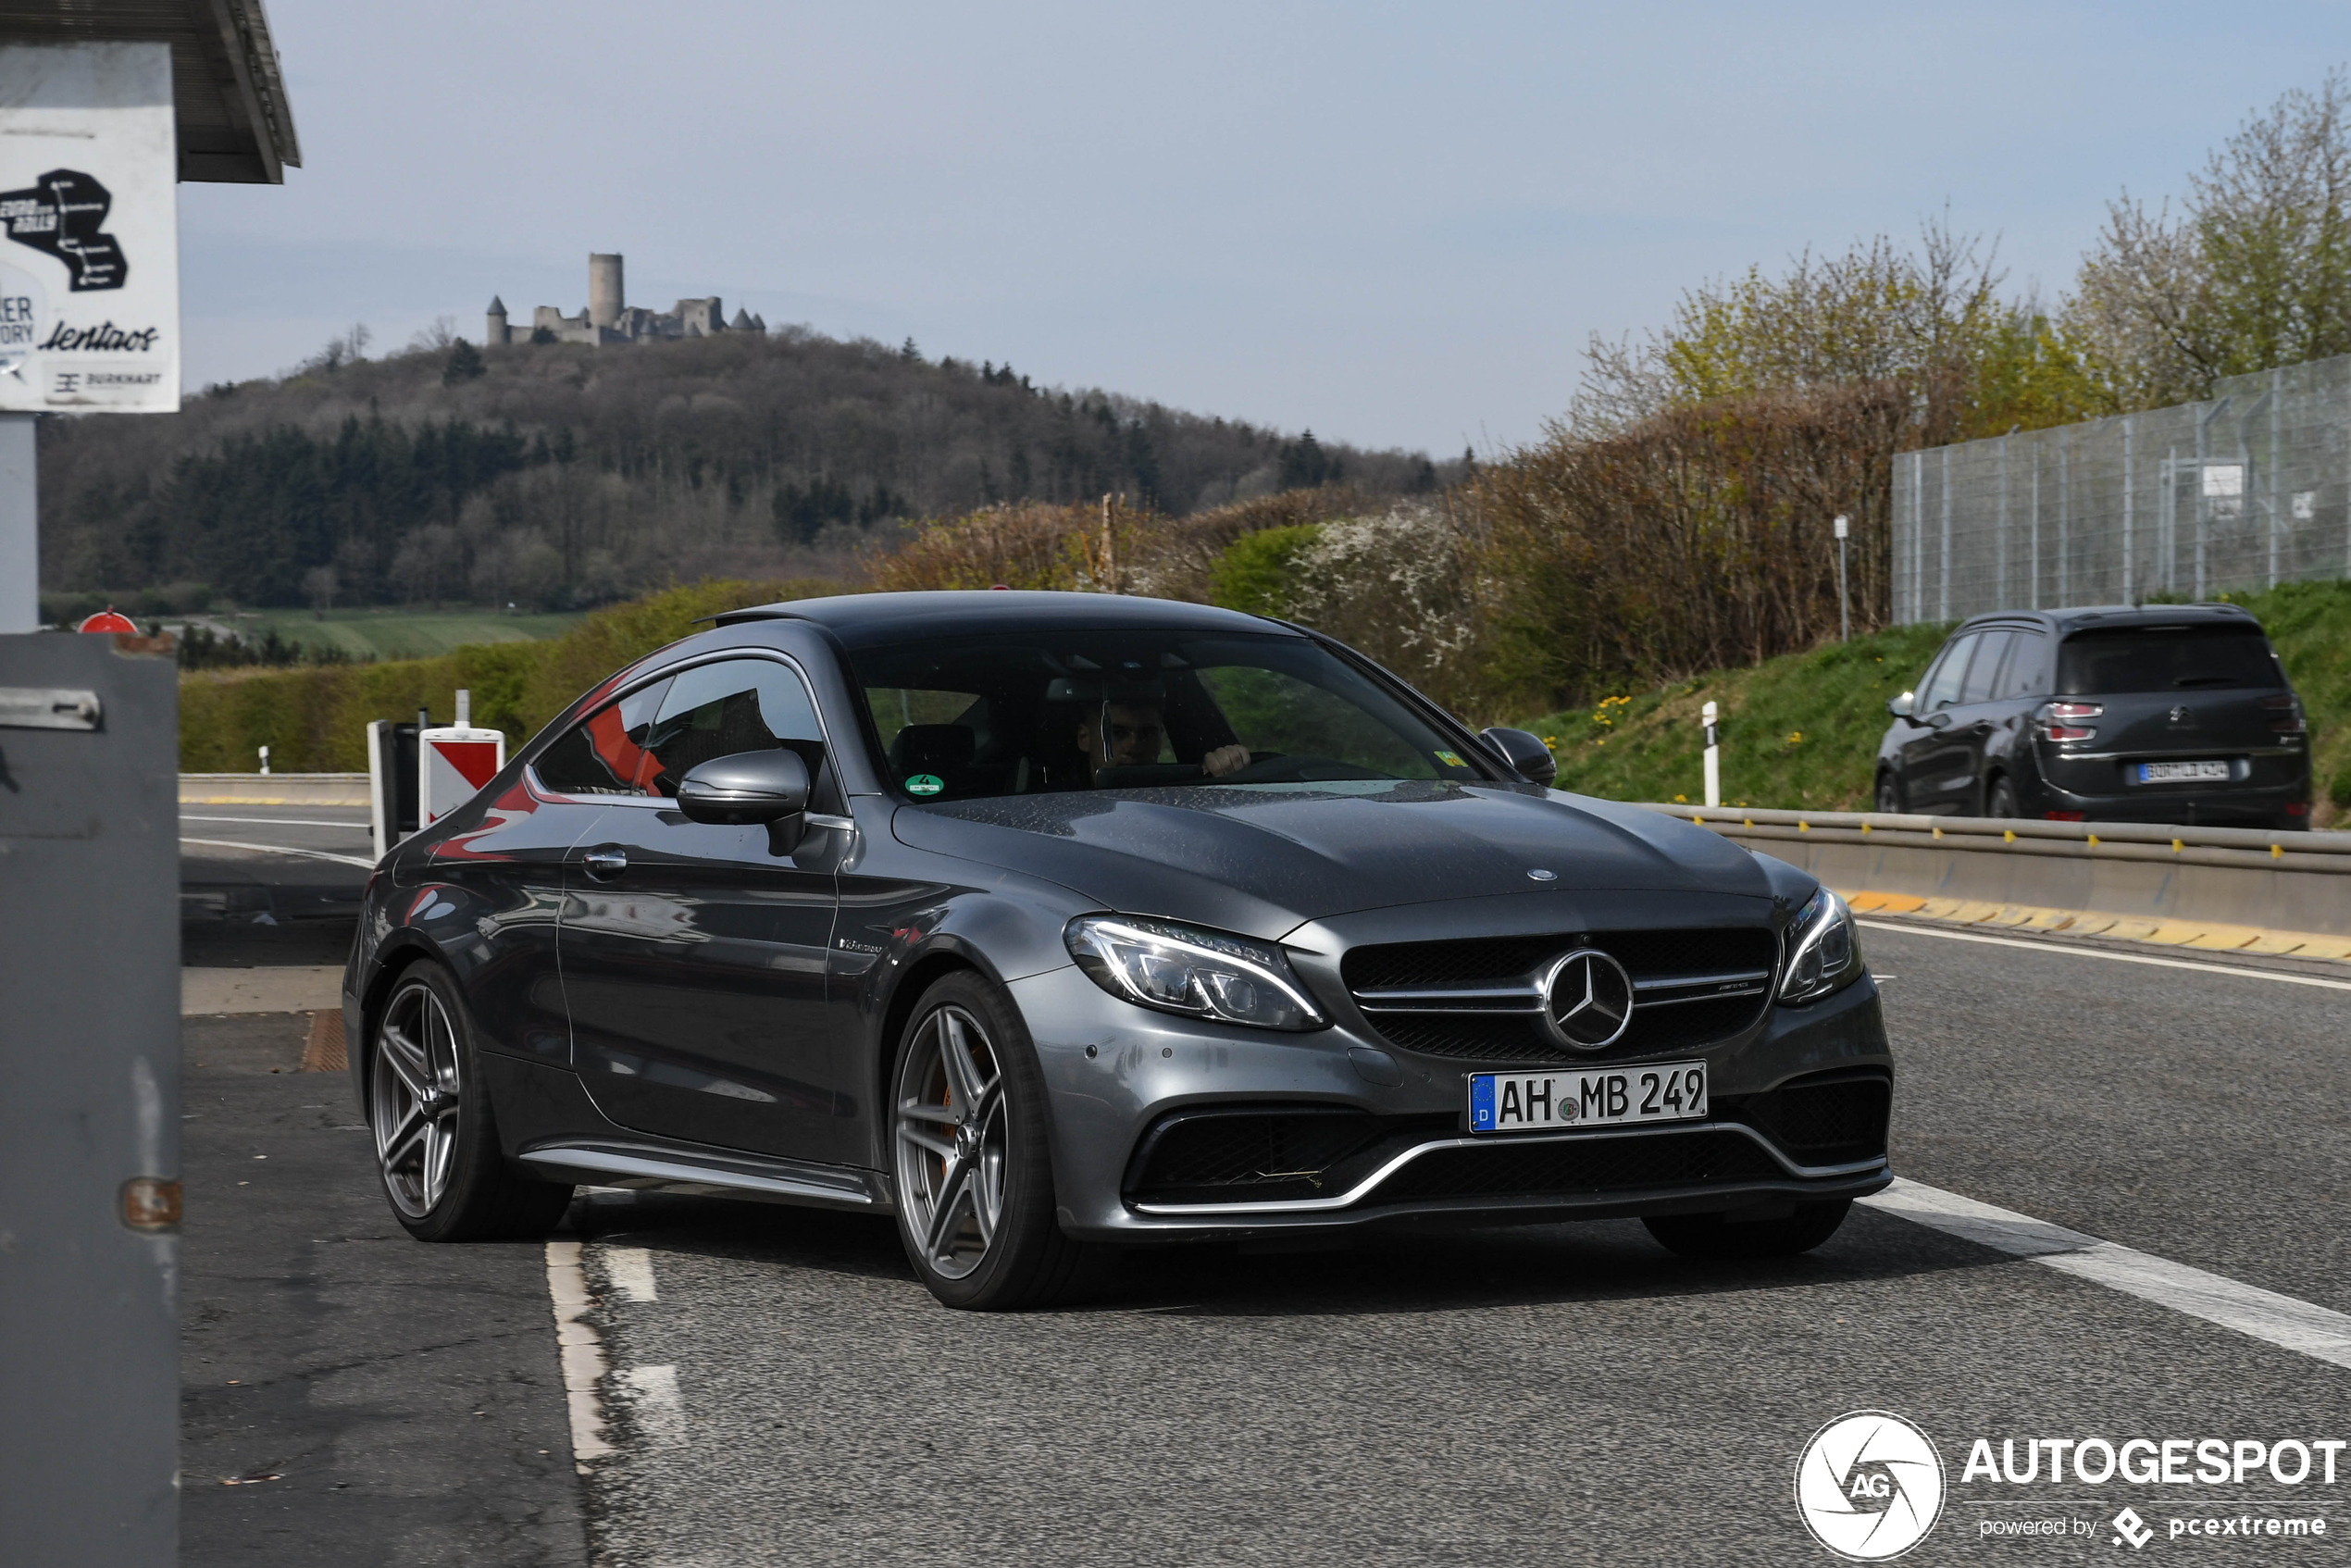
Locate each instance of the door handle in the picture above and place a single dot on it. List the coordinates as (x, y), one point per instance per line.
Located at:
(605, 864)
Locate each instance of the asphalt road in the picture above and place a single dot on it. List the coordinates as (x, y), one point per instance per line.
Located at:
(1563, 1394)
(347, 1396)
(784, 1392)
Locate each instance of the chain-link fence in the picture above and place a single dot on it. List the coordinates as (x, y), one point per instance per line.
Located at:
(2245, 492)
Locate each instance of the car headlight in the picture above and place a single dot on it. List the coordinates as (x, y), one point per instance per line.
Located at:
(1823, 954)
(1200, 974)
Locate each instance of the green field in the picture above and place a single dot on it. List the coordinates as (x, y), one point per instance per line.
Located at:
(401, 634)
(1802, 730)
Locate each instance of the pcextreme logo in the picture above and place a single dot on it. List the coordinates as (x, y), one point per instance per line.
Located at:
(1868, 1486)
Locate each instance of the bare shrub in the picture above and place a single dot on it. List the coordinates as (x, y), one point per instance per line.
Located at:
(1695, 539)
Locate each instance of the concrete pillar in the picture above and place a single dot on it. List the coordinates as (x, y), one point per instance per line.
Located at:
(605, 299)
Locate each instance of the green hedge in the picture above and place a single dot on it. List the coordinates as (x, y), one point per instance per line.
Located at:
(314, 719)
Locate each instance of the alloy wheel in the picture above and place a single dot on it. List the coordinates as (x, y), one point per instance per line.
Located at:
(951, 1137)
(415, 1096)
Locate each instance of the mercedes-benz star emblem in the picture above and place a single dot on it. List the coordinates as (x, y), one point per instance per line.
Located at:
(1588, 999)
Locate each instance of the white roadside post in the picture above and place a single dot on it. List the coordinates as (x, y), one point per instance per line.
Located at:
(1713, 757)
(264, 762)
(454, 762)
(1844, 616)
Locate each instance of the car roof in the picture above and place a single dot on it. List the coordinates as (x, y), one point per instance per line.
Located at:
(864, 620)
(2089, 616)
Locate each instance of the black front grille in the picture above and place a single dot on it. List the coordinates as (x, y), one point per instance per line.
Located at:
(1825, 1122)
(1237, 1156)
(1520, 1037)
(1581, 1167)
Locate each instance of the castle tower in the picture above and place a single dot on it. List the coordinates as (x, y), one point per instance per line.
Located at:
(495, 323)
(604, 298)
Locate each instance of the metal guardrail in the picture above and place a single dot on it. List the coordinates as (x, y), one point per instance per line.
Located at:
(2239, 848)
(274, 789)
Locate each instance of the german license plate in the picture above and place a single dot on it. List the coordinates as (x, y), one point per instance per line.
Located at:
(1663, 1092)
(2181, 772)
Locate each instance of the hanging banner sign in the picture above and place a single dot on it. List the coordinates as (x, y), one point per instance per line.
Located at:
(89, 229)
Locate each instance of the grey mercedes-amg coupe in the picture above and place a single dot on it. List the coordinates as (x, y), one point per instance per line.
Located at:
(1053, 922)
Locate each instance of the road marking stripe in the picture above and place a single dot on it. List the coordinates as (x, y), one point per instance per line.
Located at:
(355, 827)
(630, 1272)
(280, 848)
(2284, 1321)
(2116, 957)
(581, 1351)
(654, 1405)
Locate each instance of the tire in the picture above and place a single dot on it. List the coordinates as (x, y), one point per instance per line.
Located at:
(973, 1168)
(1889, 795)
(435, 1134)
(1713, 1239)
(2000, 801)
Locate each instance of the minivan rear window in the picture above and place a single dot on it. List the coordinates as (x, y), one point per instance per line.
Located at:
(2164, 658)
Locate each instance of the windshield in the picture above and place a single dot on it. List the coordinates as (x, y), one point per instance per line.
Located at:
(1022, 714)
(2164, 658)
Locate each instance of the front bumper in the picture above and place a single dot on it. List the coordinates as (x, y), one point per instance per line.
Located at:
(1429, 1173)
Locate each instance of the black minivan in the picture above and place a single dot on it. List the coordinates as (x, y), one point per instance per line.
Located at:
(2160, 713)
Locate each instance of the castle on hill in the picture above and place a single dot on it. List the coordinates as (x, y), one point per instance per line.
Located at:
(608, 318)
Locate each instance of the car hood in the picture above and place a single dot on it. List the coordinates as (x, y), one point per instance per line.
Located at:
(1263, 859)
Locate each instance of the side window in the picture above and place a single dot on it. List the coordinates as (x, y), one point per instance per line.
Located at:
(1943, 682)
(1984, 668)
(734, 705)
(605, 753)
(2028, 671)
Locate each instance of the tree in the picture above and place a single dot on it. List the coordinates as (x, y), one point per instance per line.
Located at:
(1303, 463)
(2254, 272)
(465, 363)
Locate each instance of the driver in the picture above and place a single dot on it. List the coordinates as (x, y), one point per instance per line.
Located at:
(1131, 734)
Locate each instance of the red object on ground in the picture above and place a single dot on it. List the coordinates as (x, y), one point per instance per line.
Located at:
(110, 619)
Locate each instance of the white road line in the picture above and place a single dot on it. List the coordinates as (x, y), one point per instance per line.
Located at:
(2114, 957)
(276, 822)
(630, 1272)
(361, 862)
(654, 1404)
(582, 1352)
(2284, 1321)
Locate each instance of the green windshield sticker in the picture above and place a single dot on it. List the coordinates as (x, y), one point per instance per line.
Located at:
(1452, 759)
(925, 784)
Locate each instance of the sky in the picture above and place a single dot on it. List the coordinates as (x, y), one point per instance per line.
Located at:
(1397, 225)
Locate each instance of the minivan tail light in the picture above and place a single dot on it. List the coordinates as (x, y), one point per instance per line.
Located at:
(2290, 719)
(2057, 721)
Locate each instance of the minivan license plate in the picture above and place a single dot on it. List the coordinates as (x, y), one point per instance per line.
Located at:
(1663, 1092)
(2183, 772)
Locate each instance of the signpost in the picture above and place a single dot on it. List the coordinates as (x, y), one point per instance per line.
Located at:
(1844, 614)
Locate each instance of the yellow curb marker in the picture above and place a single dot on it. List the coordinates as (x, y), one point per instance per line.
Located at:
(2089, 922)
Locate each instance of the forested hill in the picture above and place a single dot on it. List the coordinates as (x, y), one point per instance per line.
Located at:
(557, 474)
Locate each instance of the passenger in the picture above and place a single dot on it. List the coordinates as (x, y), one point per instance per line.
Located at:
(1131, 734)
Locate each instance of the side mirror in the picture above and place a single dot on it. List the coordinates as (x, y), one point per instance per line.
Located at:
(1900, 706)
(751, 788)
(1524, 752)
